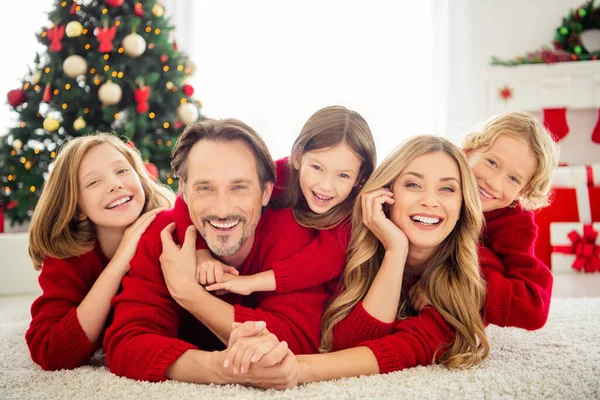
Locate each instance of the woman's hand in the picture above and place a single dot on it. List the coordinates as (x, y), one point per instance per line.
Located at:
(374, 218)
(131, 238)
(178, 263)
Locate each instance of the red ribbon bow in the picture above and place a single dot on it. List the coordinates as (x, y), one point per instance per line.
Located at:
(584, 247)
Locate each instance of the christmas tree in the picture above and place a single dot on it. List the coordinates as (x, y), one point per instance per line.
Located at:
(110, 66)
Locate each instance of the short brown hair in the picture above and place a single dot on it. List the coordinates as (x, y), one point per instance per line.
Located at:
(226, 130)
(522, 126)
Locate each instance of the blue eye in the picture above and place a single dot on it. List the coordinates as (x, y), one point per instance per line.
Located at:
(515, 180)
(316, 167)
(91, 183)
(412, 185)
(448, 189)
(239, 187)
(492, 163)
(345, 176)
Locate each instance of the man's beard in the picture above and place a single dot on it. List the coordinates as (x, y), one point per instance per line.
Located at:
(221, 251)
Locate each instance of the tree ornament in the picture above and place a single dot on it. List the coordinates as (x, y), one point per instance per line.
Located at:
(47, 96)
(188, 90)
(55, 35)
(74, 29)
(134, 45)
(190, 67)
(158, 10)
(73, 9)
(114, 3)
(16, 97)
(28, 165)
(35, 77)
(51, 124)
(105, 36)
(152, 170)
(187, 113)
(164, 58)
(169, 85)
(110, 93)
(141, 96)
(75, 65)
(139, 11)
(17, 144)
(79, 124)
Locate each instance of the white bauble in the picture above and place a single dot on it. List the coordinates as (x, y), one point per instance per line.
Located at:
(79, 124)
(17, 144)
(134, 45)
(110, 93)
(188, 113)
(35, 77)
(74, 29)
(75, 65)
(158, 10)
(590, 39)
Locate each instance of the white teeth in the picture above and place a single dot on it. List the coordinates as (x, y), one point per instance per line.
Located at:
(486, 194)
(118, 202)
(321, 197)
(425, 220)
(224, 225)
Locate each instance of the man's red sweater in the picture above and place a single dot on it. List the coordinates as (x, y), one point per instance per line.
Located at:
(151, 331)
(55, 337)
(519, 287)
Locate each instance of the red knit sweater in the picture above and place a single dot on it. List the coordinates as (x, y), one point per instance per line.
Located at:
(150, 330)
(519, 287)
(308, 267)
(55, 337)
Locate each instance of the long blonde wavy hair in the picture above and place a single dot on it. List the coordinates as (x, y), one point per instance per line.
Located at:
(526, 128)
(327, 128)
(55, 230)
(451, 278)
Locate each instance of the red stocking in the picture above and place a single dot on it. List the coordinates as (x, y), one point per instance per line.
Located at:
(555, 120)
(596, 132)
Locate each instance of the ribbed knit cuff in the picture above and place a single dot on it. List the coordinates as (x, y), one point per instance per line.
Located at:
(282, 279)
(498, 300)
(157, 366)
(366, 326)
(75, 339)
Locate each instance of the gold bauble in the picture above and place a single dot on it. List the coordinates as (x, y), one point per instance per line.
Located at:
(17, 144)
(169, 85)
(158, 10)
(28, 165)
(74, 29)
(79, 124)
(51, 124)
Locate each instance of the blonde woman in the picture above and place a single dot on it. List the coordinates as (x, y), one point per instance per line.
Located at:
(419, 218)
(94, 207)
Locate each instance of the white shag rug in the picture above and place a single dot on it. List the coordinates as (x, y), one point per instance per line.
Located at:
(560, 361)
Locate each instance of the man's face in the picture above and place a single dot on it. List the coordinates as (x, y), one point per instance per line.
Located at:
(223, 194)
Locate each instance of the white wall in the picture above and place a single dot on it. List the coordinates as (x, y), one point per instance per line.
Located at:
(506, 29)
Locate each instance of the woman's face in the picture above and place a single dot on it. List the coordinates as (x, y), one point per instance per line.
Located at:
(428, 198)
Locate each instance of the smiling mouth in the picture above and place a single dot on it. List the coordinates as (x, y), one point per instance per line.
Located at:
(320, 198)
(223, 226)
(119, 202)
(426, 220)
(486, 194)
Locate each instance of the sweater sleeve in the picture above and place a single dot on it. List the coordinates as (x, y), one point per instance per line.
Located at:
(319, 262)
(293, 317)
(359, 326)
(415, 341)
(518, 291)
(282, 177)
(142, 341)
(55, 337)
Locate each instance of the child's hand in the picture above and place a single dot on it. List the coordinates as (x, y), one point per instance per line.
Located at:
(417, 298)
(248, 344)
(209, 270)
(244, 284)
(131, 237)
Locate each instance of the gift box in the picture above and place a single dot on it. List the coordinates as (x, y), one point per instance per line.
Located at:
(575, 247)
(575, 204)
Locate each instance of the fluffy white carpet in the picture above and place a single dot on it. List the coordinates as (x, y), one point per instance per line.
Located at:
(560, 361)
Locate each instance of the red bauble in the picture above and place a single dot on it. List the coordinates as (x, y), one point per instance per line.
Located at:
(130, 144)
(73, 9)
(16, 97)
(178, 124)
(47, 95)
(139, 11)
(114, 3)
(188, 90)
(164, 58)
(12, 204)
(152, 170)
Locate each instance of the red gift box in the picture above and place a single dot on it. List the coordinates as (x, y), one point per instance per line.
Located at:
(575, 198)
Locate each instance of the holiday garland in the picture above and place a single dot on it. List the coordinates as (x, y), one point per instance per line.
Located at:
(567, 45)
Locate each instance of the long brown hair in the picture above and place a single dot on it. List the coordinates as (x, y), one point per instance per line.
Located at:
(327, 128)
(54, 231)
(451, 278)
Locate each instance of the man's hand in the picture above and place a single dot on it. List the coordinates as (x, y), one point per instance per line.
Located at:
(178, 263)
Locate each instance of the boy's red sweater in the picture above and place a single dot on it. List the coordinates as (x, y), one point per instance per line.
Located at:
(55, 337)
(519, 287)
(151, 331)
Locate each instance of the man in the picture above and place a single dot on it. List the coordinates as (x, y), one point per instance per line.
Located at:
(166, 326)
